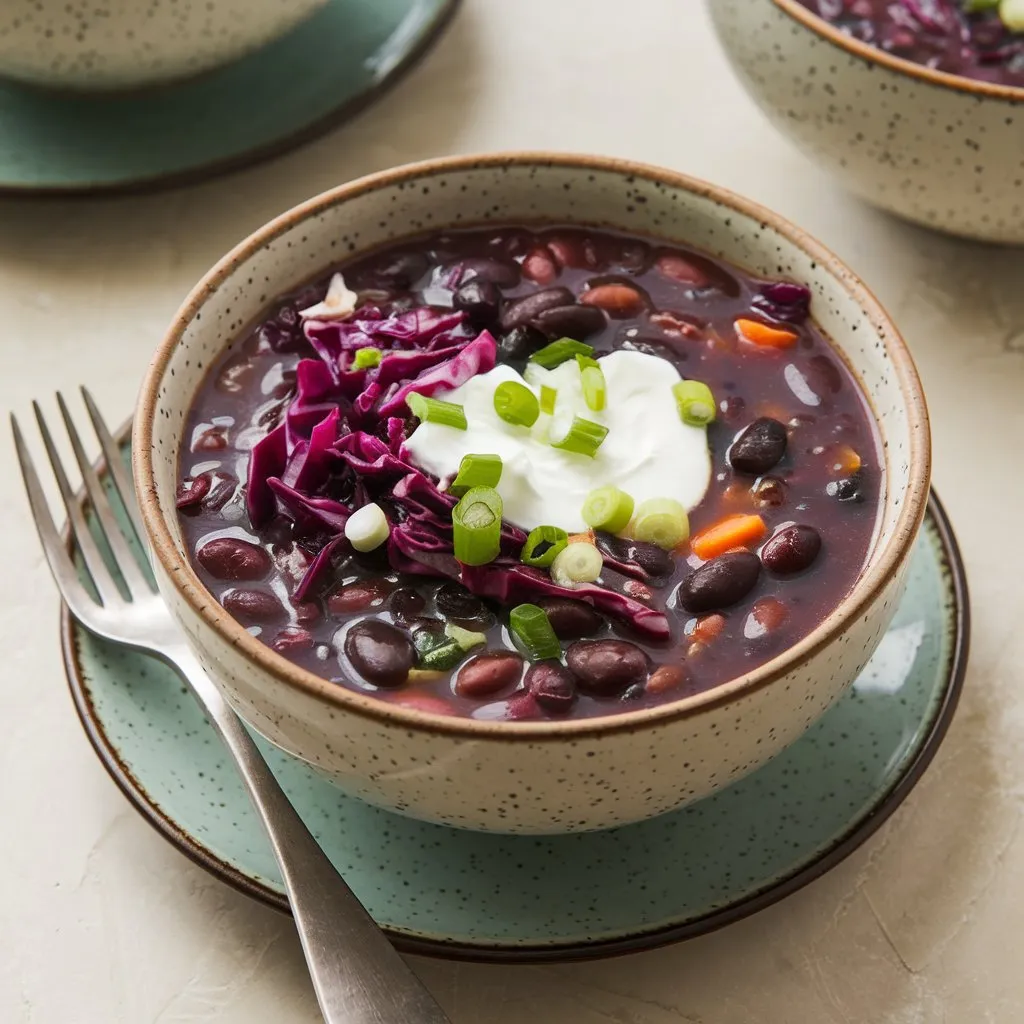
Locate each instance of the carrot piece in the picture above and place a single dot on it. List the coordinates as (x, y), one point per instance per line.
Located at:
(842, 460)
(582, 538)
(761, 334)
(732, 532)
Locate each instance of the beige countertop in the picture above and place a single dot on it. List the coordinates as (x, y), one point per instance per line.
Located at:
(104, 923)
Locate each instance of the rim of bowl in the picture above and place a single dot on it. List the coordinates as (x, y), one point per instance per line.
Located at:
(883, 562)
(875, 55)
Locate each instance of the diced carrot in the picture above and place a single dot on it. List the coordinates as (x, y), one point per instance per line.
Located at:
(842, 460)
(582, 538)
(761, 334)
(732, 532)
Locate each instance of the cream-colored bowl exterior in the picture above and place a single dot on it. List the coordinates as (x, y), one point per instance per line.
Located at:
(552, 776)
(937, 149)
(127, 43)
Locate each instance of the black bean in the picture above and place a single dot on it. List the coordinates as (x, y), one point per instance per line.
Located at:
(649, 558)
(577, 322)
(252, 606)
(406, 604)
(759, 447)
(571, 619)
(520, 343)
(503, 273)
(480, 301)
(847, 489)
(791, 550)
(523, 311)
(719, 583)
(359, 597)
(228, 558)
(488, 673)
(553, 686)
(769, 492)
(456, 602)
(399, 270)
(380, 653)
(606, 667)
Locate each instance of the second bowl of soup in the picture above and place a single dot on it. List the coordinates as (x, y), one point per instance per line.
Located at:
(532, 495)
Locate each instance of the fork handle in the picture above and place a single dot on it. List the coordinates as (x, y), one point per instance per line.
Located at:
(357, 975)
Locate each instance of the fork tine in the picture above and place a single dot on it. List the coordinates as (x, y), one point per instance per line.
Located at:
(115, 466)
(125, 559)
(109, 594)
(61, 567)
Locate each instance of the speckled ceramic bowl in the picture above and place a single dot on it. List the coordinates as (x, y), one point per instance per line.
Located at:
(117, 44)
(939, 149)
(541, 777)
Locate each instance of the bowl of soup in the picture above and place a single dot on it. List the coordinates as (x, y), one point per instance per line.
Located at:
(532, 493)
(917, 106)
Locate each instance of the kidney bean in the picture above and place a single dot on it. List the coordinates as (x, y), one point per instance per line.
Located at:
(769, 492)
(292, 638)
(617, 300)
(234, 375)
(759, 447)
(359, 597)
(228, 558)
(252, 606)
(213, 439)
(720, 582)
(456, 602)
(539, 266)
(638, 591)
(553, 686)
(572, 250)
(479, 300)
(791, 550)
(488, 673)
(222, 490)
(673, 266)
(767, 615)
(675, 324)
(577, 322)
(665, 678)
(606, 667)
(379, 652)
(191, 492)
(307, 611)
(522, 311)
(503, 273)
(406, 604)
(571, 619)
(422, 702)
(708, 628)
(520, 343)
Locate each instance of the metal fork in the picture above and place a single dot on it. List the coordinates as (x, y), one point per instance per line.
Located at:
(357, 975)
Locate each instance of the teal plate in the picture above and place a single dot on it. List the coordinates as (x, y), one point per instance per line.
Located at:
(289, 91)
(454, 893)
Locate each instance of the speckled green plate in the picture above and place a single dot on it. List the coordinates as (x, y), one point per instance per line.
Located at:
(298, 86)
(454, 893)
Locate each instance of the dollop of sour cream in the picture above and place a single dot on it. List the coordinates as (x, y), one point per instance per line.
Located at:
(648, 453)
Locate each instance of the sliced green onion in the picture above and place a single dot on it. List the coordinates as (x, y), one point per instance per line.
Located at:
(661, 521)
(367, 528)
(608, 508)
(548, 397)
(595, 389)
(433, 410)
(581, 436)
(443, 655)
(695, 402)
(561, 351)
(476, 526)
(1011, 13)
(516, 403)
(543, 544)
(531, 627)
(467, 639)
(578, 563)
(367, 358)
(476, 471)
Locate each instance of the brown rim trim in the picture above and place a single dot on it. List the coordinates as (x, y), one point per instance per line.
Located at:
(883, 563)
(873, 55)
(257, 154)
(841, 848)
